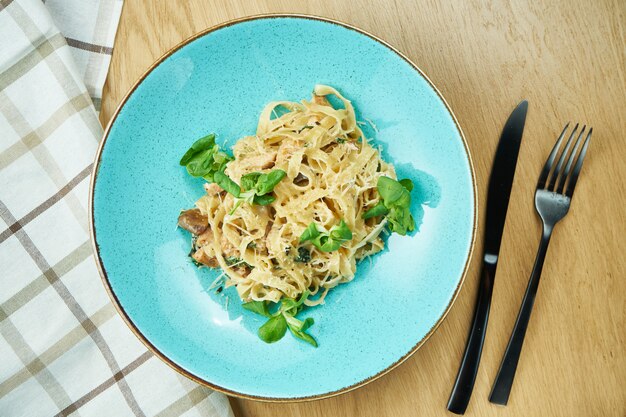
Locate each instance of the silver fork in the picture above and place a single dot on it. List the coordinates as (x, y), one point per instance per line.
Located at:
(553, 196)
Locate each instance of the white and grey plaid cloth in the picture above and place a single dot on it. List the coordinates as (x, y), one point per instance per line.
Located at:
(63, 349)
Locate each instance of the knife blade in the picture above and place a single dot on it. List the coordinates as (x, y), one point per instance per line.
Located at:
(501, 179)
(498, 194)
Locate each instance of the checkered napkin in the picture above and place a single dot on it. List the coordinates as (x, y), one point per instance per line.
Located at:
(63, 349)
(88, 27)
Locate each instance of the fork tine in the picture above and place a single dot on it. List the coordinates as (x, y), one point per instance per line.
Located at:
(541, 183)
(570, 161)
(579, 164)
(559, 164)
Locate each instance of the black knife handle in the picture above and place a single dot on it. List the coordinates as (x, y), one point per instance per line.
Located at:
(462, 391)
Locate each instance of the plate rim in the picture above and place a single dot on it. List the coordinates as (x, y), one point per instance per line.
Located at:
(102, 271)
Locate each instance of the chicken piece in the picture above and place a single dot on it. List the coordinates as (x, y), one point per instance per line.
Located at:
(193, 221)
(242, 270)
(228, 250)
(258, 162)
(286, 151)
(200, 256)
(212, 189)
(205, 238)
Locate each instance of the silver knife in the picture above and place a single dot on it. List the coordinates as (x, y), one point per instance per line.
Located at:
(500, 183)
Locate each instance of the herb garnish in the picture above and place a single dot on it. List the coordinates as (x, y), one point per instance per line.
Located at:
(327, 241)
(394, 204)
(227, 184)
(284, 318)
(232, 260)
(204, 158)
(304, 255)
(255, 187)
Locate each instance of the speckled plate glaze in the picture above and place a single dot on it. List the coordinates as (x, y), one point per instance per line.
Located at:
(219, 81)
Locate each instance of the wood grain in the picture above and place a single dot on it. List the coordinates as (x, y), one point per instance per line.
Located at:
(568, 59)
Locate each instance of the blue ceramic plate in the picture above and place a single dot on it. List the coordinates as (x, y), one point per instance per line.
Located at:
(218, 82)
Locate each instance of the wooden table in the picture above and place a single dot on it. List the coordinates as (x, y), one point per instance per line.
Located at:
(568, 59)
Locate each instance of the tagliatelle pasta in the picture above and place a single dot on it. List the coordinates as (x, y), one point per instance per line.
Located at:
(331, 174)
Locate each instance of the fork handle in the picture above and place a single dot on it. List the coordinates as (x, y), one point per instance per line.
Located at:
(504, 380)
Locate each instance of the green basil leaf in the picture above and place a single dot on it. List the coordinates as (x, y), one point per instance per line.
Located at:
(303, 336)
(326, 243)
(389, 190)
(293, 322)
(201, 145)
(200, 164)
(301, 300)
(400, 220)
(310, 233)
(396, 218)
(395, 227)
(308, 322)
(341, 232)
(303, 297)
(404, 201)
(407, 183)
(204, 158)
(248, 181)
(411, 223)
(259, 307)
(266, 182)
(274, 329)
(378, 210)
(247, 196)
(407, 220)
(221, 158)
(226, 183)
(298, 328)
(396, 200)
(209, 176)
(288, 310)
(263, 200)
(288, 304)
